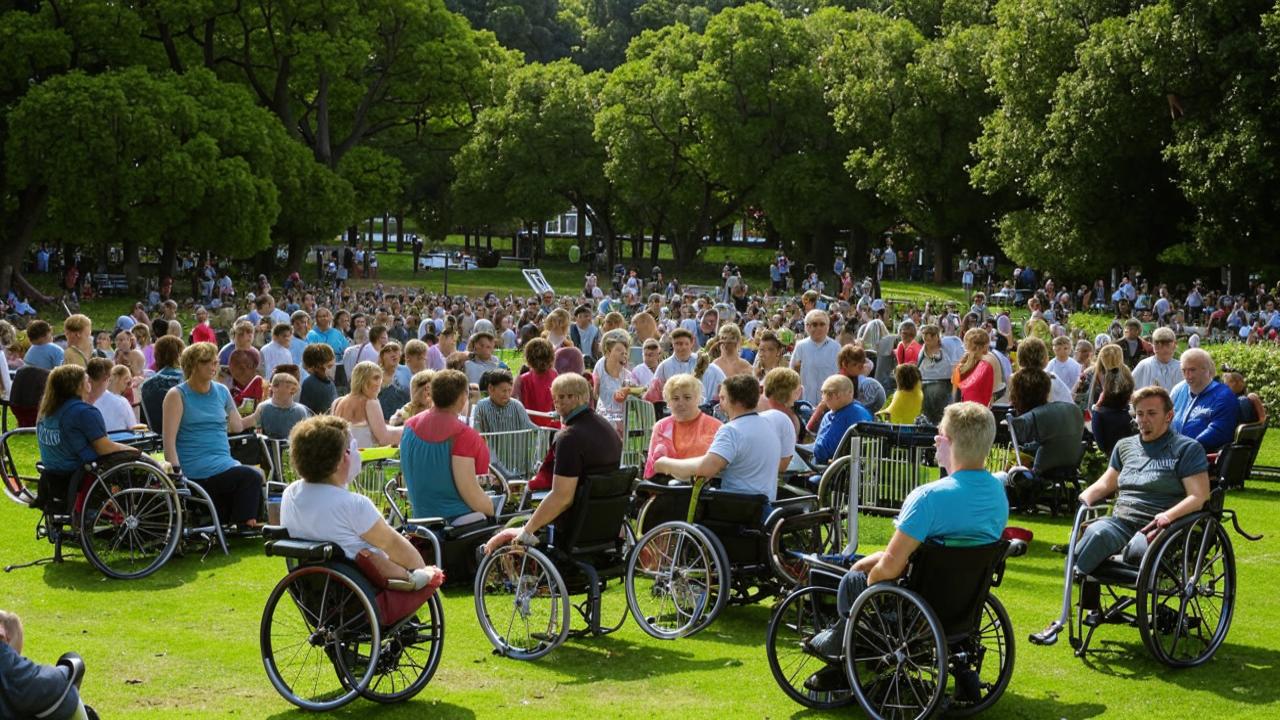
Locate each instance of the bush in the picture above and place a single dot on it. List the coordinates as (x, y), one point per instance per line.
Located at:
(1260, 365)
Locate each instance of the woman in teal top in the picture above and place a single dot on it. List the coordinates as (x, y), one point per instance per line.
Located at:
(198, 415)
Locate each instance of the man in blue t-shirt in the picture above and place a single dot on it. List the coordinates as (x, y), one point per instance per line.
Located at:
(28, 689)
(843, 412)
(966, 508)
(1204, 409)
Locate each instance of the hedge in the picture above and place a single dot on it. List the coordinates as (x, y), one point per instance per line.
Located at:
(1260, 365)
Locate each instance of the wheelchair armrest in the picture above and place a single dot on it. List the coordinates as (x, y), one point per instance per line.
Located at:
(430, 523)
(275, 532)
(73, 662)
(311, 550)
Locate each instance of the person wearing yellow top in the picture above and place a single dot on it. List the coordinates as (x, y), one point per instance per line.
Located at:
(908, 398)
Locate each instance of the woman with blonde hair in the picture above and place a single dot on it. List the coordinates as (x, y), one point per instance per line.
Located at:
(360, 408)
(555, 328)
(142, 334)
(730, 344)
(974, 376)
(646, 328)
(687, 432)
(613, 321)
(419, 397)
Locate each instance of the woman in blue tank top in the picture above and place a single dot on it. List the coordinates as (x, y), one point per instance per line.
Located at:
(198, 415)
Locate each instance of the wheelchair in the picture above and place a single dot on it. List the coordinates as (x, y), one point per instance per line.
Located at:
(330, 633)
(935, 640)
(702, 548)
(523, 594)
(1180, 594)
(127, 514)
(454, 546)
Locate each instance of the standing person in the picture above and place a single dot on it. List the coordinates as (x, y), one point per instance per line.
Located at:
(890, 260)
(1063, 366)
(612, 377)
(277, 352)
(481, 359)
(1132, 344)
(816, 356)
(198, 415)
(730, 361)
(936, 364)
(584, 334)
(202, 332)
(1161, 369)
(973, 376)
(325, 332)
(533, 387)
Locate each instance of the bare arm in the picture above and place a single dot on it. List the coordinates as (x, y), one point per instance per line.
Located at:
(105, 446)
(464, 479)
(235, 423)
(559, 500)
(383, 435)
(892, 563)
(707, 466)
(172, 419)
(400, 550)
(1197, 487)
(1103, 488)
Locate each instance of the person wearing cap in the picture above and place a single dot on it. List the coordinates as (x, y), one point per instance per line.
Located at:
(1157, 476)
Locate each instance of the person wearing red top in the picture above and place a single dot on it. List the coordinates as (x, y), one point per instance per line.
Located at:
(202, 332)
(441, 456)
(246, 383)
(973, 376)
(533, 387)
(908, 350)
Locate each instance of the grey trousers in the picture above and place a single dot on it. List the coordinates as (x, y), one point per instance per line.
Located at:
(851, 586)
(1101, 540)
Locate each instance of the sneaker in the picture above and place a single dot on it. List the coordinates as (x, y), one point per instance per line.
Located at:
(830, 679)
(829, 644)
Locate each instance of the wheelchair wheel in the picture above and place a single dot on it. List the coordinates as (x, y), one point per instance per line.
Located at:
(19, 488)
(522, 602)
(895, 653)
(792, 538)
(677, 580)
(834, 493)
(988, 654)
(319, 638)
(131, 521)
(410, 655)
(1187, 592)
(804, 613)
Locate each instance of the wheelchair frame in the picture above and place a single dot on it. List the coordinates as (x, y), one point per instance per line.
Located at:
(1190, 560)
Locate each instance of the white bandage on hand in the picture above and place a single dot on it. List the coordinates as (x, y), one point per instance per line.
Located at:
(420, 578)
(524, 538)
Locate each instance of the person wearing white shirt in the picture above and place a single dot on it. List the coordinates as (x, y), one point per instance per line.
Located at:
(1162, 369)
(683, 360)
(644, 371)
(277, 352)
(366, 347)
(816, 357)
(117, 413)
(1063, 366)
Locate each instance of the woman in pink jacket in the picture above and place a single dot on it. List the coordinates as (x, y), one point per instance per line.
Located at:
(687, 432)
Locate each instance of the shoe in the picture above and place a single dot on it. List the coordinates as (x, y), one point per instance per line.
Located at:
(968, 685)
(829, 644)
(830, 679)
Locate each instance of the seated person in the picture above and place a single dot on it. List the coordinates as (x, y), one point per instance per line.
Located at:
(843, 412)
(781, 393)
(739, 454)
(587, 445)
(31, 690)
(964, 509)
(687, 432)
(246, 383)
(360, 407)
(318, 390)
(278, 415)
(908, 396)
(70, 432)
(1159, 475)
(168, 350)
(1204, 409)
(1051, 430)
(440, 456)
(868, 391)
(1251, 408)
(319, 506)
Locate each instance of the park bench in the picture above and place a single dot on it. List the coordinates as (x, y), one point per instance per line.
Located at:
(111, 283)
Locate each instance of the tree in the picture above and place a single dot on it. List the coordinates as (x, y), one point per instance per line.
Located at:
(128, 156)
(911, 107)
(537, 28)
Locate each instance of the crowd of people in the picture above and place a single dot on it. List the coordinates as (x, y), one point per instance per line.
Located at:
(744, 386)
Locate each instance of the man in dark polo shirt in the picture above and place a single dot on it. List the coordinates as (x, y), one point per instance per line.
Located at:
(28, 689)
(587, 445)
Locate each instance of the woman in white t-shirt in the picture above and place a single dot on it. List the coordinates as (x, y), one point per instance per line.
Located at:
(320, 507)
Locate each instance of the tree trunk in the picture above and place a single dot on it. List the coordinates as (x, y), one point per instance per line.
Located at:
(386, 222)
(168, 258)
(685, 248)
(822, 249)
(400, 232)
(353, 235)
(488, 239)
(582, 230)
(298, 255)
(369, 244)
(131, 263)
(943, 253)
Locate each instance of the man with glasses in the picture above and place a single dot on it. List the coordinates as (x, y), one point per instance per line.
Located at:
(816, 356)
(1161, 369)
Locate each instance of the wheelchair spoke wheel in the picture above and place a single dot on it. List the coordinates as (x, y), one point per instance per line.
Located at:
(895, 654)
(794, 537)
(319, 638)
(521, 602)
(675, 579)
(410, 655)
(371, 481)
(804, 613)
(982, 665)
(834, 494)
(1186, 593)
(130, 522)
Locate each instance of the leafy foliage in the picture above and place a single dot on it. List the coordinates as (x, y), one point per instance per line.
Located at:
(1260, 365)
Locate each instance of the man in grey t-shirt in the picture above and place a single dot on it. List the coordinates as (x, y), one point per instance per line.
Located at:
(747, 450)
(1158, 474)
(815, 357)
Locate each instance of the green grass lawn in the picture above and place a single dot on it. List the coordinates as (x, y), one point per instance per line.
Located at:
(184, 643)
